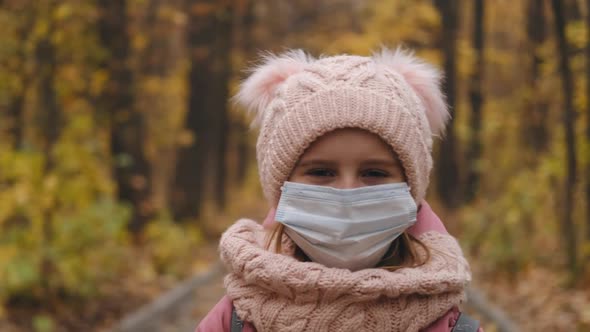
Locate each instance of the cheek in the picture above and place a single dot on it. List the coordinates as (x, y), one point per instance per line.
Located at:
(400, 172)
(295, 177)
(298, 176)
(398, 175)
(399, 178)
(385, 180)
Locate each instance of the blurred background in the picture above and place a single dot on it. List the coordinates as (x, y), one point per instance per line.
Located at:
(122, 159)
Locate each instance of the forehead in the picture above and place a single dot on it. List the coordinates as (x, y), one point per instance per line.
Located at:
(348, 143)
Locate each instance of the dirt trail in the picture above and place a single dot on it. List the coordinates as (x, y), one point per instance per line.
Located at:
(204, 297)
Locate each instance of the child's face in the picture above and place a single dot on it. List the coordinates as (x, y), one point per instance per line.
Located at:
(348, 158)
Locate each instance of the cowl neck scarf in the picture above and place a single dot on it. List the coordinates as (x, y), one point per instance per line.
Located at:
(276, 292)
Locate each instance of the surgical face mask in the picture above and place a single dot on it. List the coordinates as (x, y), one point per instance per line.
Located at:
(345, 228)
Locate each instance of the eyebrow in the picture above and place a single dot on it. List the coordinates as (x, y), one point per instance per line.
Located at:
(315, 162)
(369, 162)
(381, 162)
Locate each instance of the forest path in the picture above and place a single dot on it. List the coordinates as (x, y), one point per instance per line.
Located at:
(204, 298)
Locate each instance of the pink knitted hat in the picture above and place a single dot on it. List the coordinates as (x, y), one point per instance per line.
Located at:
(297, 99)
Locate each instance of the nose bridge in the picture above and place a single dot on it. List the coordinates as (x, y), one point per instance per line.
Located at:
(349, 179)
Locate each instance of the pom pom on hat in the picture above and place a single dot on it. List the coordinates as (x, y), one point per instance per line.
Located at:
(425, 81)
(257, 91)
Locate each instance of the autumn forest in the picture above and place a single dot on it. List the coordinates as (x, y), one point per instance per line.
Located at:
(123, 157)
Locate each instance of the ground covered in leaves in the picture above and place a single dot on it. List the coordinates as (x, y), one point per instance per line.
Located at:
(537, 299)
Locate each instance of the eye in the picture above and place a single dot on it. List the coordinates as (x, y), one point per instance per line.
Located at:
(375, 173)
(320, 172)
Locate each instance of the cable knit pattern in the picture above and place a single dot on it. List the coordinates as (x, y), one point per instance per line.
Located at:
(298, 99)
(276, 292)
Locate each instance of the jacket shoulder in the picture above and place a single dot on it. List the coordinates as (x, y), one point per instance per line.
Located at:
(218, 318)
(448, 323)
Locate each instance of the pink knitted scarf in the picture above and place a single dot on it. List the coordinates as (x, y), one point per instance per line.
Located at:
(276, 292)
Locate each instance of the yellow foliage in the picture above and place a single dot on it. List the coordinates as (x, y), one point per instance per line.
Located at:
(69, 191)
(97, 82)
(172, 246)
(139, 41)
(577, 34)
(63, 11)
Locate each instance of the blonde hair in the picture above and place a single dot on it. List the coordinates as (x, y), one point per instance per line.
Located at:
(403, 251)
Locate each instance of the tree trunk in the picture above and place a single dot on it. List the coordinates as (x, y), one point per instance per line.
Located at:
(244, 41)
(535, 116)
(222, 74)
(477, 99)
(448, 168)
(572, 10)
(49, 119)
(15, 115)
(568, 227)
(191, 168)
(13, 121)
(202, 164)
(130, 166)
(243, 151)
(16, 108)
(588, 123)
(158, 98)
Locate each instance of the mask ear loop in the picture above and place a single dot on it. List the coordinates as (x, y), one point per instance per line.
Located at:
(269, 221)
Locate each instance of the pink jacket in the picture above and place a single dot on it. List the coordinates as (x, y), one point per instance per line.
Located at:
(219, 318)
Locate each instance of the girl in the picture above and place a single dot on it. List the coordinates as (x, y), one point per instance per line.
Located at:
(344, 156)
